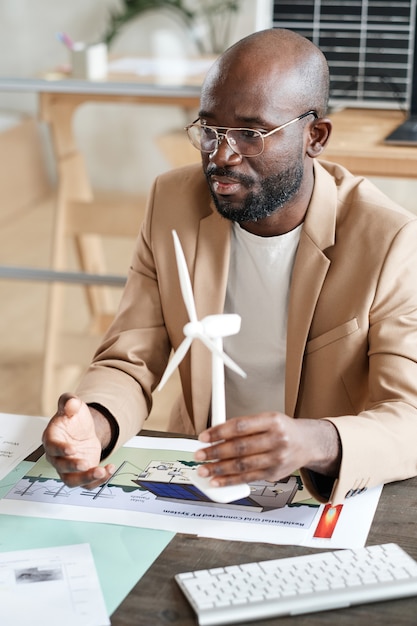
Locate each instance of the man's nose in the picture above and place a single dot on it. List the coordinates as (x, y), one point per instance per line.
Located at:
(223, 153)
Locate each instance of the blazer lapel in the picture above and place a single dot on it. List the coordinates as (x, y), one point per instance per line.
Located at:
(310, 269)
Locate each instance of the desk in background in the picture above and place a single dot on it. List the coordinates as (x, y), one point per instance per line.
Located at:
(357, 142)
(82, 214)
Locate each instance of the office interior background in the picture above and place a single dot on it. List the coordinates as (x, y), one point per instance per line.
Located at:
(123, 147)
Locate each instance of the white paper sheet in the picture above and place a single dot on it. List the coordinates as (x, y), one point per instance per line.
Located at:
(154, 498)
(50, 586)
(19, 436)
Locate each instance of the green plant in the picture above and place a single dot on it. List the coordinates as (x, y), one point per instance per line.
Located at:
(208, 24)
(218, 17)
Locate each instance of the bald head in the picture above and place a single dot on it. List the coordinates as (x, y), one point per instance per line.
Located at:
(280, 59)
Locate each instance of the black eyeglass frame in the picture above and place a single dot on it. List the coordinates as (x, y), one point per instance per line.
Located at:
(224, 134)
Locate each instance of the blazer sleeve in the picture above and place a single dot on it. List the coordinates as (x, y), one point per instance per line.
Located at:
(379, 444)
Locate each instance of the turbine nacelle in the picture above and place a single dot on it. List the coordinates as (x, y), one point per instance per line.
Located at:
(213, 326)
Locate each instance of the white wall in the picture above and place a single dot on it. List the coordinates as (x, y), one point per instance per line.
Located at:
(117, 140)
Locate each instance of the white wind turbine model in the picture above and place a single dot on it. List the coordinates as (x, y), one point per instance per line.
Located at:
(210, 330)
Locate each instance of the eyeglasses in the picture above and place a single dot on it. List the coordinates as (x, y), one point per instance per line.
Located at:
(247, 142)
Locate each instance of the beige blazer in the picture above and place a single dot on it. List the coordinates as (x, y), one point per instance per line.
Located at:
(352, 321)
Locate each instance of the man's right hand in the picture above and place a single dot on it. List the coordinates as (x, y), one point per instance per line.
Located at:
(73, 441)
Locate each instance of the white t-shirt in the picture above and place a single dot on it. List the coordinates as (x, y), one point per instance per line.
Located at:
(258, 290)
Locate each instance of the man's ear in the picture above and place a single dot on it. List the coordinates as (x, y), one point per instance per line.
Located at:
(320, 131)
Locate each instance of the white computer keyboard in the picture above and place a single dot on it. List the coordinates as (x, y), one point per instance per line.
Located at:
(302, 584)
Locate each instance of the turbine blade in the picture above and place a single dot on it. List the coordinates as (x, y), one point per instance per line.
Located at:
(226, 359)
(175, 361)
(185, 282)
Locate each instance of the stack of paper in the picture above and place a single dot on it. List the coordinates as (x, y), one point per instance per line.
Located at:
(45, 587)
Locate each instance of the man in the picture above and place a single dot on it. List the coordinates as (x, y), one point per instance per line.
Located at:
(320, 265)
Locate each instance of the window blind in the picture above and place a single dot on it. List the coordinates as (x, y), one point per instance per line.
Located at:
(369, 46)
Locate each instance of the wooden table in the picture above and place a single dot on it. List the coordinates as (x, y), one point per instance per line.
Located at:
(87, 217)
(357, 142)
(157, 601)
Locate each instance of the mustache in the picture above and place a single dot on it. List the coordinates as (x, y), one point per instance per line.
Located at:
(213, 170)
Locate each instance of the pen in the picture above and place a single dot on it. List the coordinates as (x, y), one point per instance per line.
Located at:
(66, 40)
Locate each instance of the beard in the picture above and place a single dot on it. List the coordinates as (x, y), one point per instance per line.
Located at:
(276, 191)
